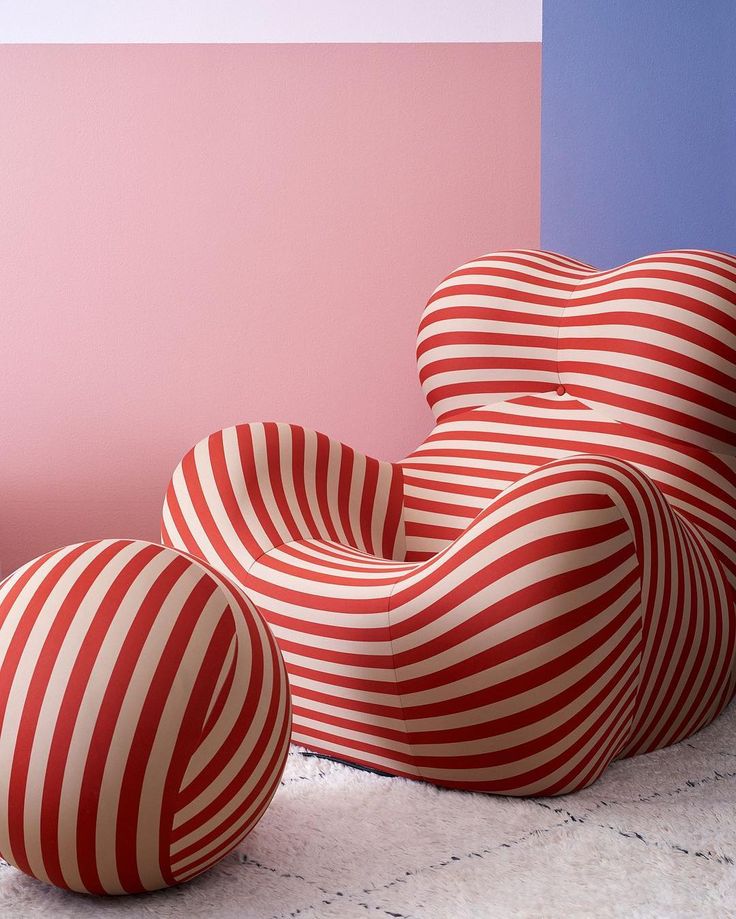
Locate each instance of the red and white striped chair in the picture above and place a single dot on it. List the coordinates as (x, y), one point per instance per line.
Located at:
(547, 583)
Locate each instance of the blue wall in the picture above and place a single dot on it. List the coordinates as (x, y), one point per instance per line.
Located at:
(638, 127)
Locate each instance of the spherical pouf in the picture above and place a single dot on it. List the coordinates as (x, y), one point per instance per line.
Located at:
(145, 717)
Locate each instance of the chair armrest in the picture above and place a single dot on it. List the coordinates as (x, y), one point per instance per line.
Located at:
(247, 489)
(580, 556)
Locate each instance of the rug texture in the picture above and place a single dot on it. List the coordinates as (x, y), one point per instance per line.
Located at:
(655, 837)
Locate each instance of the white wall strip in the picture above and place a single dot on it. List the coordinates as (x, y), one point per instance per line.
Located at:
(88, 21)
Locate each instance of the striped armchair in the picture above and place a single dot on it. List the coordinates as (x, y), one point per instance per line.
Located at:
(547, 583)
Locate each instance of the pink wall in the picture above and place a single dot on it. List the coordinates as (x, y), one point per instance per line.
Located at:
(197, 235)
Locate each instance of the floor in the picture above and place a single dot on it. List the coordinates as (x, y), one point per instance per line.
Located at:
(655, 837)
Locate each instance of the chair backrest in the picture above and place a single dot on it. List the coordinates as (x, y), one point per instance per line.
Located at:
(525, 356)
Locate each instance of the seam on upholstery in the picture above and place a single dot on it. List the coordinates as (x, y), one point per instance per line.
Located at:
(621, 506)
(291, 542)
(616, 501)
(285, 542)
(399, 697)
(656, 437)
(559, 327)
(398, 469)
(402, 576)
(698, 533)
(695, 533)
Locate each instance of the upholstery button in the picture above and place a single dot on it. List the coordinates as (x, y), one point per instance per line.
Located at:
(561, 390)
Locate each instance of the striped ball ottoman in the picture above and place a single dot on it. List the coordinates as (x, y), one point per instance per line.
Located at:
(145, 717)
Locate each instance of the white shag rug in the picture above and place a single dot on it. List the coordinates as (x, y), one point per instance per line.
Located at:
(655, 837)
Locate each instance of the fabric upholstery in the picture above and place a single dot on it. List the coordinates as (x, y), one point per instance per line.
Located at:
(553, 585)
(145, 717)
